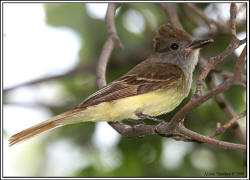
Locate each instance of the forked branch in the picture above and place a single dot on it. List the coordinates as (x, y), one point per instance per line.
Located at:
(175, 126)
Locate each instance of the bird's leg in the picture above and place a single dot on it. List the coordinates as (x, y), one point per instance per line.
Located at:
(136, 122)
(144, 116)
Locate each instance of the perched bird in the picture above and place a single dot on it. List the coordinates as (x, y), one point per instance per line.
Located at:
(154, 87)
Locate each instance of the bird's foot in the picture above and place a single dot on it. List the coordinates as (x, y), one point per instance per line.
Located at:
(136, 124)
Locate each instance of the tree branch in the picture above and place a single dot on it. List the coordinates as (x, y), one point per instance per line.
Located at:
(208, 140)
(108, 47)
(183, 131)
(189, 16)
(220, 99)
(239, 63)
(226, 108)
(213, 61)
(74, 71)
(227, 74)
(221, 129)
(174, 128)
(102, 63)
(170, 11)
(233, 13)
(193, 103)
(208, 21)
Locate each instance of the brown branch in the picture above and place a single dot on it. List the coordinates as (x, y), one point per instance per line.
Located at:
(170, 10)
(226, 108)
(110, 43)
(220, 99)
(166, 129)
(189, 15)
(240, 62)
(233, 13)
(213, 61)
(108, 47)
(127, 130)
(232, 121)
(205, 18)
(110, 25)
(102, 63)
(227, 74)
(195, 9)
(208, 140)
(199, 82)
(162, 129)
(221, 129)
(195, 102)
(85, 68)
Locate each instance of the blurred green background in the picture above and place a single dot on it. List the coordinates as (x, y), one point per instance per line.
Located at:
(95, 149)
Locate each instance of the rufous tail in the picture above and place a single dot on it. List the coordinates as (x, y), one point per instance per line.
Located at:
(32, 131)
(69, 117)
(54, 122)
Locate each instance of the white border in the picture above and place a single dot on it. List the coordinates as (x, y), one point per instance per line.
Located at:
(247, 63)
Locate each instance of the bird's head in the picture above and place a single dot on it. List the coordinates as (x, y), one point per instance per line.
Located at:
(171, 39)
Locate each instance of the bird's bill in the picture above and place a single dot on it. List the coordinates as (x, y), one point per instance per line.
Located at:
(199, 43)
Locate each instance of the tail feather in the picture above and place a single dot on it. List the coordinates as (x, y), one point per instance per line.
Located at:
(68, 117)
(32, 131)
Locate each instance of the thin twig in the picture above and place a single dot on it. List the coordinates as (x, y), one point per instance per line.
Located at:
(183, 131)
(233, 13)
(174, 127)
(110, 43)
(189, 16)
(208, 140)
(85, 68)
(226, 108)
(221, 129)
(199, 100)
(227, 74)
(220, 99)
(239, 63)
(170, 10)
(108, 47)
(232, 121)
(205, 18)
(195, 9)
(110, 25)
(102, 63)
(213, 61)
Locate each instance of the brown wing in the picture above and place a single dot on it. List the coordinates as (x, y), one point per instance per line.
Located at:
(143, 78)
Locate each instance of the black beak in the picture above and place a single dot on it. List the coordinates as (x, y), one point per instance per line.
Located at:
(200, 43)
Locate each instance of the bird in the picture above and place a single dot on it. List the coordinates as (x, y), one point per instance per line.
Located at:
(154, 87)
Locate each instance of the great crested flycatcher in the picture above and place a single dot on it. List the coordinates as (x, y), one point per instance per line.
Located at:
(153, 87)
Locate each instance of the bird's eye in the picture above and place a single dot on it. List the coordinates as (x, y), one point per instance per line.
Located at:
(174, 46)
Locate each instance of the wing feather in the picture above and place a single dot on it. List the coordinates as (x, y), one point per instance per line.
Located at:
(157, 76)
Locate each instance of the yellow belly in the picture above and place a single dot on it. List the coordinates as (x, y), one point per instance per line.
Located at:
(154, 103)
